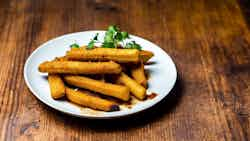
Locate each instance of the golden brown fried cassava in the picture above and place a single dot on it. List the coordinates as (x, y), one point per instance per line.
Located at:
(145, 55)
(57, 88)
(74, 67)
(136, 89)
(104, 54)
(138, 74)
(114, 90)
(85, 98)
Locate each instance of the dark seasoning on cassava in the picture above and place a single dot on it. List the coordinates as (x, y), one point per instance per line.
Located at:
(105, 76)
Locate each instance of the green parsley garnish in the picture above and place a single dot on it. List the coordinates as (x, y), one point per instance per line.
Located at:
(96, 37)
(93, 41)
(75, 45)
(132, 45)
(124, 35)
(114, 38)
(108, 45)
(91, 44)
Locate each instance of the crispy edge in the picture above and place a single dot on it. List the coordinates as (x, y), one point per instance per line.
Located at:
(146, 55)
(75, 67)
(85, 98)
(114, 90)
(138, 74)
(135, 88)
(57, 87)
(105, 54)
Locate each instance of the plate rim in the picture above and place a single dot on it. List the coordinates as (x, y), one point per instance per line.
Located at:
(27, 62)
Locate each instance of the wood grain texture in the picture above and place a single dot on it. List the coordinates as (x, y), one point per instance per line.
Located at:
(209, 41)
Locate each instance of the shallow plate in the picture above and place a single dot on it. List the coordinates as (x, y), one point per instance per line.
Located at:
(162, 75)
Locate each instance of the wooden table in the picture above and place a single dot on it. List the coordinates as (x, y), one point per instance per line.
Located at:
(209, 41)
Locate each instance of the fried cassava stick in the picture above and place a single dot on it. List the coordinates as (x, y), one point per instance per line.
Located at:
(74, 67)
(136, 89)
(114, 90)
(85, 98)
(145, 55)
(104, 54)
(138, 74)
(57, 88)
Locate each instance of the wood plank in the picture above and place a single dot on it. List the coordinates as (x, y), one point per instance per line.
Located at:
(209, 41)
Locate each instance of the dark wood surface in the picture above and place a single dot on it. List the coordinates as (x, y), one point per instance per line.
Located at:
(209, 41)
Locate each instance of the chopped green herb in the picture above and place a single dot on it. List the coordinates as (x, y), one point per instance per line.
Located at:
(75, 45)
(96, 37)
(92, 42)
(113, 29)
(108, 45)
(114, 38)
(124, 35)
(132, 45)
(108, 37)
(118, 36)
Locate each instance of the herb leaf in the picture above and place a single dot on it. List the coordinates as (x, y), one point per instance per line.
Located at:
(108, 44)
(124, 35)
(90, 44)
(75, 45)
(96, 37)
(113, 39)
(108, 37)
(118, 36)
(133, 45)
(113, 29)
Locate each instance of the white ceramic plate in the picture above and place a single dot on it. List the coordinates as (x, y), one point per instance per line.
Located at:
(162, 74)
